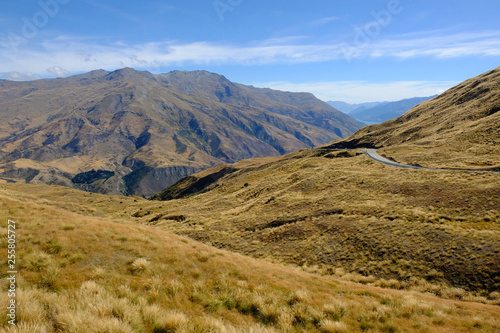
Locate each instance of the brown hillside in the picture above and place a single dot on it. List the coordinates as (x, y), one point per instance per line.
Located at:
(341, 210)
(459, 128)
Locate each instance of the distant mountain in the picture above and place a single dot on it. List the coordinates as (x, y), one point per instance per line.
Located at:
(348, 108)
(134, 132)
(387, 110)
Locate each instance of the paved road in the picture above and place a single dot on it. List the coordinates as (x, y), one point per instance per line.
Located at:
(372, 153)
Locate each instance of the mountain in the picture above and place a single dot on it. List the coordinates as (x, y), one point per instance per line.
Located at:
(377, 112)
(134, 132)
(348, 108)
(387, 110)
(459, 128)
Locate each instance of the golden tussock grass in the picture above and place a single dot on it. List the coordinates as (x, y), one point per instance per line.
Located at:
(109, 274)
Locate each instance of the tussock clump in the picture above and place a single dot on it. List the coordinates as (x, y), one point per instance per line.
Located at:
(85, 322)
(24, 327)
(30, 309)
(454, 293)
(330, 326)
(91, 288)
(299, 296)
(173, 287)
(170, 322)
(53, 246)
(98, 272)
(139, 266)
(336, 310)
(49, 278)
(151, 313)
(37, 261)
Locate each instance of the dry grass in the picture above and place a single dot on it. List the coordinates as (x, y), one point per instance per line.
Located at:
(179, 285)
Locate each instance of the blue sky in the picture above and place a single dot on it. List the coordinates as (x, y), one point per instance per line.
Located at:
(348, 50)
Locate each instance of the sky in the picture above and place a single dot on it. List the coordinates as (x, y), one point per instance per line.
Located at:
(344, 50)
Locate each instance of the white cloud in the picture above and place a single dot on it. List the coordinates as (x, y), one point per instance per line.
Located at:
(57, 71)
(360, 91)
(17, 76)
(84, 54)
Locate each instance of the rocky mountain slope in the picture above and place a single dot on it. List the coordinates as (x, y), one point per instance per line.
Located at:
(459, 128)
(134, 132)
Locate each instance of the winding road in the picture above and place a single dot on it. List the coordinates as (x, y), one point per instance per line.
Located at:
(372, 153)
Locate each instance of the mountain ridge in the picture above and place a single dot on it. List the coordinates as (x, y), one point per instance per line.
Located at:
(132, 123)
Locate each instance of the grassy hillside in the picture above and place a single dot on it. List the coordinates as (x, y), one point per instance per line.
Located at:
(338, 212)
(460, 128)
(85, 267)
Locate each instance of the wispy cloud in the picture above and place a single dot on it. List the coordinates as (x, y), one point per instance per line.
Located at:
(82, 54)
(361, 91)
(114, 11)
(322, 21)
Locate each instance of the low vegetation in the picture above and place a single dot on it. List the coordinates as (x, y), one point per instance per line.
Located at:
(91, 176)
(85, 265)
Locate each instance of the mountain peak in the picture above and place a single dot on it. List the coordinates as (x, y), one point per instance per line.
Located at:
(129, 73)
(199, 76)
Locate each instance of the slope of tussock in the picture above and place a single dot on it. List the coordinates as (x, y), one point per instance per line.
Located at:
(82, 268)
(340, 210)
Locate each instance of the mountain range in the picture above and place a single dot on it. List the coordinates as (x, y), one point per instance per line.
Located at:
(133, 132)
(348, 107)
(378, 112)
